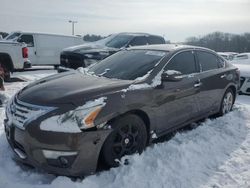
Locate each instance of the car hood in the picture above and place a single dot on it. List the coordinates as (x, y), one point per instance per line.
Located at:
(72, 87)
(244, 69)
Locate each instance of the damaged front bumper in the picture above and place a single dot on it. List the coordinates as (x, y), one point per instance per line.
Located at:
(69, 154)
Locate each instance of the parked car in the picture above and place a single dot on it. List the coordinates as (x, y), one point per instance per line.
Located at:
(13, 56)
(66, 123)
(44, 49)
(242, 61)
(227, 55)
(87, 54)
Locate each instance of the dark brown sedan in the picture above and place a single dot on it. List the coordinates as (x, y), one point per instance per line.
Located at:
(66, 124)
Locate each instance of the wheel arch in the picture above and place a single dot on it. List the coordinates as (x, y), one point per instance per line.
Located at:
(5, 57)
(140, 113)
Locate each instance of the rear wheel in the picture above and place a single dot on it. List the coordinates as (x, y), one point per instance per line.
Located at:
(227, 102)
(128, 137)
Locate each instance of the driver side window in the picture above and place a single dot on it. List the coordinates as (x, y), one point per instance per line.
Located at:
(183, 62)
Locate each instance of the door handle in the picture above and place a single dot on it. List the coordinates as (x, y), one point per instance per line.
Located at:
(223, 76)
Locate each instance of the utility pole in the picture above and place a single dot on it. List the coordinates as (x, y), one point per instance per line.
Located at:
(73, 26)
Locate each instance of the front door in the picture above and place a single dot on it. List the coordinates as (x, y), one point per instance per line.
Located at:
(175, 101)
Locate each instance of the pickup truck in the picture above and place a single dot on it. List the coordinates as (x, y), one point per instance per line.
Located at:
(13, 56)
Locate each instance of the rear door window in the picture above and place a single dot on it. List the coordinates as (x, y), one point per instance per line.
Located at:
(28, 39)
(208, 61)
(183, 62)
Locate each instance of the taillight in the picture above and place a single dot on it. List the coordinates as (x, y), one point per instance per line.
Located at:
(25, 52)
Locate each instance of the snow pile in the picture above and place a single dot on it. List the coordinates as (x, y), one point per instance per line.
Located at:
(69, 122)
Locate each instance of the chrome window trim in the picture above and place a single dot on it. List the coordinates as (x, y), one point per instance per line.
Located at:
(193, 50)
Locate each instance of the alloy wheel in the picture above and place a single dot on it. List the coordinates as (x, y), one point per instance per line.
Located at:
(227, 102)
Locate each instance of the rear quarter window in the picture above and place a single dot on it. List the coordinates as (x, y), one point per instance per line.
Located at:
(207, 61)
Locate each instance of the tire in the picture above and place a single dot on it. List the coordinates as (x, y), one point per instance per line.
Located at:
(6, 72)
(56, 67)
(227, 102)
(128, 137)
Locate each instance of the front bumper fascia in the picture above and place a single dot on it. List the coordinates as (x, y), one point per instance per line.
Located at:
(31, 142)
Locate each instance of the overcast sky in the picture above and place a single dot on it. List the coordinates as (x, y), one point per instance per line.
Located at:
(175, 19)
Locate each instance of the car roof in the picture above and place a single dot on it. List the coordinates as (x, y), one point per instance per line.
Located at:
(137, 34)
(168, 47)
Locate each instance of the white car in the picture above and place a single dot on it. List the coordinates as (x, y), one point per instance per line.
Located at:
(227, 55)
(242, 61)
(44, 49)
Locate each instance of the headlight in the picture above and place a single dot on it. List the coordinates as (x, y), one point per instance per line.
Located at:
(86, 117)
(72, 121)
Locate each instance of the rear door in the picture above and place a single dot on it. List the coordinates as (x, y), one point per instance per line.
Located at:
(176, 100)
(213, 78)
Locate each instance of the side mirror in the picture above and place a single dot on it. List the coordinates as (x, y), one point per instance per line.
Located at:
(171, 76)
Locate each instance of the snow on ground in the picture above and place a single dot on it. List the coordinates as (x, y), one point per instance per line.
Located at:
(215, 154)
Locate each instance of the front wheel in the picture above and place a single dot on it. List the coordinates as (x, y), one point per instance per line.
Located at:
(227, 102)
(128, 137)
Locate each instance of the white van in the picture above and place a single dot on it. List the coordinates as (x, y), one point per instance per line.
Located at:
(45, 49)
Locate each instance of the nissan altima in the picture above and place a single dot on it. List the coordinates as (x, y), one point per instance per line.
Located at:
(67, 123)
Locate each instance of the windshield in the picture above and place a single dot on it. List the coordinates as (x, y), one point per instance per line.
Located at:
(128, 64)
(12, 36)
(118, 41)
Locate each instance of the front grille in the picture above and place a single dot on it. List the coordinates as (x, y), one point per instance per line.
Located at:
(71, 61)
(19, 146)
(20, 113)
(242, 80)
